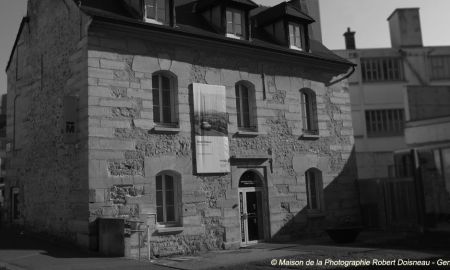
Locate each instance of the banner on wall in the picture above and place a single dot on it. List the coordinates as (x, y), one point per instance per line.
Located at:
(211, 128)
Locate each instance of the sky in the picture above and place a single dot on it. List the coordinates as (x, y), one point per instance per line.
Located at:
(367, 17)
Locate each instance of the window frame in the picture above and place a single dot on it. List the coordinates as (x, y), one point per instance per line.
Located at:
(173, 94)
(294, 40)
(385, 122)
(251, 125)
(233, 33)
(156, 19)
(308, 100)
(439, 67)
(382, 69)
(176, 199)
(318, 189)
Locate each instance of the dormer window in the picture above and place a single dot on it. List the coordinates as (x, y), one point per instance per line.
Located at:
(235, 23)
(295, 36)
(157, 11)
(229, 18)
(285, 24)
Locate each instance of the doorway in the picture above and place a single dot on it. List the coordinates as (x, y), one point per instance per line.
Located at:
(251, 207)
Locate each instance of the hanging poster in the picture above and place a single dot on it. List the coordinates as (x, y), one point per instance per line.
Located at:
(211, 128)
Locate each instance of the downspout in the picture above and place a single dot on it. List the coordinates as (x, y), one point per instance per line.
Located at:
(346, 76)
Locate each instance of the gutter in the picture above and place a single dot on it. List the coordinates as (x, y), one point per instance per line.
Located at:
(349, 73)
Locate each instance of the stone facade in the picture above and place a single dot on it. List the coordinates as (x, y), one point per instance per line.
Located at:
(47, 64)
(110, 172)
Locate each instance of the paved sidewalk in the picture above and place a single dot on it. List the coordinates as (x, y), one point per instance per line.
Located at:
(18, 252)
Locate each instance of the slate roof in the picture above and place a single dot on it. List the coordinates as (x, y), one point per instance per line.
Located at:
(281, 10)
(205, 4)
(192, 24)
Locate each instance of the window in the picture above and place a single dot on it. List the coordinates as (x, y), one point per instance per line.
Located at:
(440, 67)
(295, 36)
(381, 123)
(381, 69)
(244, 106)
(157, 11)
(309, 112)
(314, 187)
(164, 100)
(15, 212)
(235, 23)
(167, 199)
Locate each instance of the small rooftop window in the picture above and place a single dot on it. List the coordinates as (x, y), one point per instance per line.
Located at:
(157, 11)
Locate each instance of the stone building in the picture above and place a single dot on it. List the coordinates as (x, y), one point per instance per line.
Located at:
(110, 104)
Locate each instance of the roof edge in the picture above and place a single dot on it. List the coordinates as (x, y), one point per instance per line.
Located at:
(25, 19)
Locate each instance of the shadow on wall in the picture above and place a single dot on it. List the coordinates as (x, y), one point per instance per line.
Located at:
(340, 208)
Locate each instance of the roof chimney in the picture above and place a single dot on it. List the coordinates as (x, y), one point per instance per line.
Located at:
(350, 40)
(404, 24)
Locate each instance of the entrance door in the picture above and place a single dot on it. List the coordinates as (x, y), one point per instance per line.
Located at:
(251, 208)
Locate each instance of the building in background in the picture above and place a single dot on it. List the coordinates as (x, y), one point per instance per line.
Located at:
(427, 157)
(399, 100)
(2, 153)
(378, 89)
(216, 123)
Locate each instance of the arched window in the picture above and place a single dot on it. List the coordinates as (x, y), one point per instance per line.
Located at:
(309, 112)
(245, 105)
(314, 189)
(164, 95)
(167, 199)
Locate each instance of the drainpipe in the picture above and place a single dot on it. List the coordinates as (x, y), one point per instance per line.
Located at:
(349, 73)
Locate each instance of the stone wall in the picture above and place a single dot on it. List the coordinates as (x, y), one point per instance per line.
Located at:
(50, 174)
(126, 153)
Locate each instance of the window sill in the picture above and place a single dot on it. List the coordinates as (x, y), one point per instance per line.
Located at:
(166, 129)
(295, 48)
(234, 36)
(310, 136)
(153, 21)
(169, 230)
(249, 133)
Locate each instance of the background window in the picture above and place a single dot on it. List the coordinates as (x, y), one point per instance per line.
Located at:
(314, 188)
(440, 67)
(163, 100)
(244, 106)
(235, 22)
(157, 10)
(295, 38)
(381, 69)
(385, 122)
(309, 112)
(166, 199)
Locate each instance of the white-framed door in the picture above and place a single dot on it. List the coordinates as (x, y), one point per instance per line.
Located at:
(251, 210)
